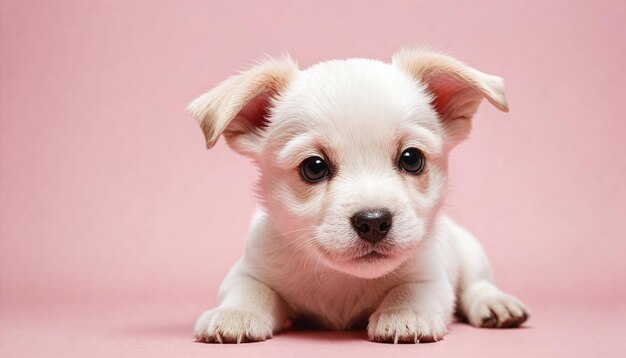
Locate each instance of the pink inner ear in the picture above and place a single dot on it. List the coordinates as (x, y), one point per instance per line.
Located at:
(254, 114)
(444, 90)
(453, 99)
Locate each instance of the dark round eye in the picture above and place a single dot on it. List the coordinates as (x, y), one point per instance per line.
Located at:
(314, 169)
(412, 160)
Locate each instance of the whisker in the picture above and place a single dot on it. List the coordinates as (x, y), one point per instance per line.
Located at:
(290, 232)
(302, 244)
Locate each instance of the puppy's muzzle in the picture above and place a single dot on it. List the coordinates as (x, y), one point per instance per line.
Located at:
(372, 225)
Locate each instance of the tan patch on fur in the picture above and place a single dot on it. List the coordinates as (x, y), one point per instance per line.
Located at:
(423, 180)
(304, 191)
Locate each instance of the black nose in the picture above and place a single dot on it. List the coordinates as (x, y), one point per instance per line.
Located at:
(372, 225)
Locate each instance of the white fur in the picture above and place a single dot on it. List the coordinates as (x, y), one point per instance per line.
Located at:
(303, 258)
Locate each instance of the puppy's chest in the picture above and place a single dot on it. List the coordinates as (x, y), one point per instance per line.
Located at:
(332, 300)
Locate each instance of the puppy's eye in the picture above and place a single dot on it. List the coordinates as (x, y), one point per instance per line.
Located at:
(314, 169)
(412, 160)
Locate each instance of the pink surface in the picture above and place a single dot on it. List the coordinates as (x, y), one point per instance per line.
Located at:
(116, 225)
(162, 330)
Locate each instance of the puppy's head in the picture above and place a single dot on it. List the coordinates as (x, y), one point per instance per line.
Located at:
(353, 154)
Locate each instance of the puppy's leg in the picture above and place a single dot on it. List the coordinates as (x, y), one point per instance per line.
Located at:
(249, 311)
(480, 301)
(413, 313)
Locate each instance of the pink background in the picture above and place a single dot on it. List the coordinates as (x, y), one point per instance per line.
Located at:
(116, 225)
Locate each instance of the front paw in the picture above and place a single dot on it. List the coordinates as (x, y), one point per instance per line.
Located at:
(232, 325)
(405, 326)
(497, 311)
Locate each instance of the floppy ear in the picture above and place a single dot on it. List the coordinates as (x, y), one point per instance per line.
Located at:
(457, 89)
(238, 107)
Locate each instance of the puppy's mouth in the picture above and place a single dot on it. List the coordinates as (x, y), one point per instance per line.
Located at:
(362, 257)
(372, 256)
(367, 261)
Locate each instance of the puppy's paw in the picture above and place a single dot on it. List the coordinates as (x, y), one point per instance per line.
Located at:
(405, 326)
(232, 325)
(497, 311)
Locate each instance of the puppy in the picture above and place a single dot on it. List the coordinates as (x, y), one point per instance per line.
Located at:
(353, 159)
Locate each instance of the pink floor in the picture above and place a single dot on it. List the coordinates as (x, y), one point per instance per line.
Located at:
(162, 330)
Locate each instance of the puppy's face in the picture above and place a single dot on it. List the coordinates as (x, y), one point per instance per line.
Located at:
(353, 154)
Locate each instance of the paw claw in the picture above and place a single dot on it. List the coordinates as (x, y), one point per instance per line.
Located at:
(405, 326)
(232, 325)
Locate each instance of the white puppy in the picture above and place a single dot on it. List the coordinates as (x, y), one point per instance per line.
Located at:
(353, 157)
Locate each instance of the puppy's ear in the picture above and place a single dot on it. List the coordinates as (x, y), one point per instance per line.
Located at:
(238, 107)
(457, 89)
